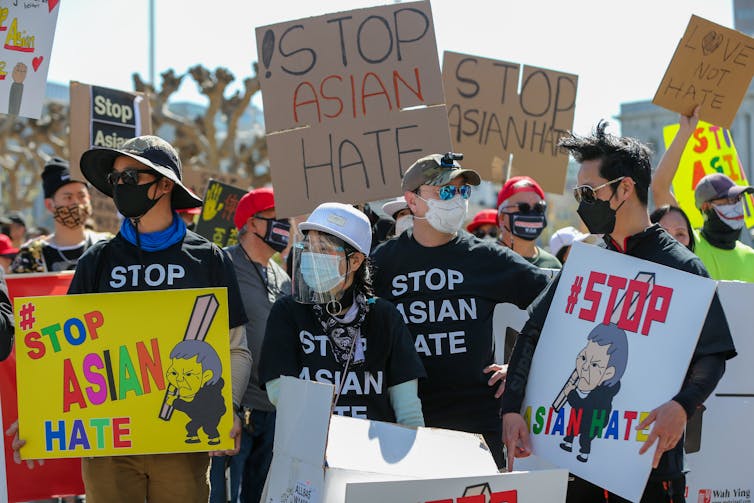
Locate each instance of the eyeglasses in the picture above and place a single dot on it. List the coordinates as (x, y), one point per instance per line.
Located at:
(129, 176)
(539, 208)
(448, 192)
(588, 194)
(482, 234)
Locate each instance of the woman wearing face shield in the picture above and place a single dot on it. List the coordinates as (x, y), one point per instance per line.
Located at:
(333, 329)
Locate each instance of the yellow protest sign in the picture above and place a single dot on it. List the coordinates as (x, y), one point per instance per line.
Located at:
(709, 150)
(124, 373)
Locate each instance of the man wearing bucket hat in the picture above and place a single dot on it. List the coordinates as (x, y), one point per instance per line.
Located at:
(144, 179)
(446, 284)
(333, 329)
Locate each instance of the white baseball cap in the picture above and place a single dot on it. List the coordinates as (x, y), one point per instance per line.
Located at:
(565, 237)
(392, 207)
(342, 221)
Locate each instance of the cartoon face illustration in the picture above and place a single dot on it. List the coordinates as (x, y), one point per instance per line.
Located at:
(188, 376)
(592, 366)
(19, 73)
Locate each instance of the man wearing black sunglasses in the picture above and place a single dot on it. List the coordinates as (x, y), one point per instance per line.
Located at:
(144, 179)
(614, 180)
(522, 216)
(446, 284)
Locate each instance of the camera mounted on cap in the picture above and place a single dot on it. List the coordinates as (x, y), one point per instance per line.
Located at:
(448, 160)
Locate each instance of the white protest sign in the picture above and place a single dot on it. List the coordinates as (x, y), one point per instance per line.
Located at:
(617, 343)
(27, 29)
(720, 447)
(530, 487)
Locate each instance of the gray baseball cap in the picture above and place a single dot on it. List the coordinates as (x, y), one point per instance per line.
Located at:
(717, 186)
(437, 169)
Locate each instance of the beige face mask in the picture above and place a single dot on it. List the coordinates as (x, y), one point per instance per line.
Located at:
(72, 216)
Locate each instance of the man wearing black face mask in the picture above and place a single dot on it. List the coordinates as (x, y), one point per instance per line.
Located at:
(612, 193)
(68, 201)
(522, 217)
(262, 281)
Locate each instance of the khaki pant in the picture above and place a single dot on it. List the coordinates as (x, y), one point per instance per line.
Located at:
(157, 478)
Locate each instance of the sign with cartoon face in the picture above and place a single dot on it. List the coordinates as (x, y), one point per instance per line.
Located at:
(118, 383)
(616, 344)
(27, 29)
(351, 100)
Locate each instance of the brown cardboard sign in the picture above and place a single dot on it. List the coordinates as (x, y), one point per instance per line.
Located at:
(102, 117)
(351, 99)
(492, 116)
(711, 67)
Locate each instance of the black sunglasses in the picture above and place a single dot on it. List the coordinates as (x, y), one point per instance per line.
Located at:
(129, 176)
(539, 208)
(482, 234)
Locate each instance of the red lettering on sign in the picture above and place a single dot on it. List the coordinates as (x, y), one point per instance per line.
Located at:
(595, 278)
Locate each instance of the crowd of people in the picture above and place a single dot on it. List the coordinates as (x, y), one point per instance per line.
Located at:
(404, 302)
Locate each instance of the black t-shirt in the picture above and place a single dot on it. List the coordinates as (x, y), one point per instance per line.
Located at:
(119, 266)
(447, 295)
(295, 345)
(655, 245)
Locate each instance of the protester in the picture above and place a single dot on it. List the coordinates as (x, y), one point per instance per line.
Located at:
(398, 210)
(144, 180)
(614, 179)
(674, 220)
(14, 226)
(6, 320)
(333, 325)
(446, 285)
(561, 241)
(484, 225)
(67, 199)
(522, 216)
(8, 252)
(719, 200)
(262, 281)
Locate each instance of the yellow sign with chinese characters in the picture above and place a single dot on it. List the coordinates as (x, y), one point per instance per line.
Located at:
(107, 374)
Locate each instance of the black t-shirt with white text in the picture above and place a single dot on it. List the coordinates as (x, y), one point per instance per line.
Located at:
(119, 266)
(295, 345)
(447, 295)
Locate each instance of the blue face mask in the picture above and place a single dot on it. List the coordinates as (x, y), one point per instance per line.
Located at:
(321, 271)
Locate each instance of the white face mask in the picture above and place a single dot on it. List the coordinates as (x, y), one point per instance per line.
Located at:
(732, 215)
(446, 216)
(403, 223)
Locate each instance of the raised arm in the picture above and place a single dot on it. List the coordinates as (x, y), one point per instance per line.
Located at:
(663, 175)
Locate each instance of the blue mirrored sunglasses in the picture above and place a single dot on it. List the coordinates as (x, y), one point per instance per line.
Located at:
(448, 192)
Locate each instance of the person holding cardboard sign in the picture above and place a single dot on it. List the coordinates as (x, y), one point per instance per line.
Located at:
(154, 251)
(333, 329)
(446, 285)
(613, 188)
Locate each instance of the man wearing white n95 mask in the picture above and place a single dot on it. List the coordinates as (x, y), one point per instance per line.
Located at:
(446, 284)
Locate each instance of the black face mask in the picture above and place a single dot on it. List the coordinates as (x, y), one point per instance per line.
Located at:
(278, 233)
(598, 216)
(527, 227)
(133, 201)
(718, 233)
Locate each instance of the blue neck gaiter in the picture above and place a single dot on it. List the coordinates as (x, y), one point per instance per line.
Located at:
(154, 241)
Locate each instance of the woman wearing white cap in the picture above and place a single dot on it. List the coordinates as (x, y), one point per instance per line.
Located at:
(332, 328)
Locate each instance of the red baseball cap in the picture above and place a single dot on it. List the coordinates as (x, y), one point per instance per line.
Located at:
(482, 218)
(254, 202)
(6, 246)
(518, 184)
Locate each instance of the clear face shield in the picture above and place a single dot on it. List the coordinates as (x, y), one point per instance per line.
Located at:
(320, 268)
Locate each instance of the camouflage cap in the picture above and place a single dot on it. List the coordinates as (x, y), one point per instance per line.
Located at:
(437, 169)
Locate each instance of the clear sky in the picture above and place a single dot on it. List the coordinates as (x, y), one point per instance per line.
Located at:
(619, 49)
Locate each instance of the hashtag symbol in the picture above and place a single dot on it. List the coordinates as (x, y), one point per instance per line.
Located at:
(574, 297)
(27, 316)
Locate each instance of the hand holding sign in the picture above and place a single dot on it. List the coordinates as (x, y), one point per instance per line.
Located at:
(669, 423)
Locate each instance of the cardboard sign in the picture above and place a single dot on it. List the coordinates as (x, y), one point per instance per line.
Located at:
(61, 476)
(532, 487)
(710, 150)
(719, 450)
(602, 363)
(351, 100)
(316, 455)
(216, 220)
(123, 384)
(27, 29)
(711, 67)
(491, 118)
(102, 117)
